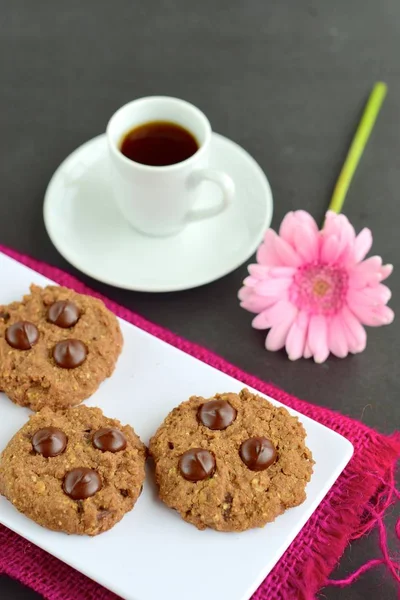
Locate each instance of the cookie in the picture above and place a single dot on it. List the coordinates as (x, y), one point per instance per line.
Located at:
(74, 470)
(232, 462)
(56, 347)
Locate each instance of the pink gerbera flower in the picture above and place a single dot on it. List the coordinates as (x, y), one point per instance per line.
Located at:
(313, 289)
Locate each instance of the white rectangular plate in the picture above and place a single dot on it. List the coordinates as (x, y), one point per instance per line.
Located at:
(152, 553)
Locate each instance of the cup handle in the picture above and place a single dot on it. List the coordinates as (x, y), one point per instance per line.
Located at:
(226, 185)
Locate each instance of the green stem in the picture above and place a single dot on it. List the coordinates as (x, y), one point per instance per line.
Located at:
(358, 144)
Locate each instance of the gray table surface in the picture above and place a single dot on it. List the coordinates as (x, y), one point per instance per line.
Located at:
(287, 80)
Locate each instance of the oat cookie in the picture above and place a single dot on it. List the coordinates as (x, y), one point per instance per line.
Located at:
(75, 471)
(56, 347)
(231, 462)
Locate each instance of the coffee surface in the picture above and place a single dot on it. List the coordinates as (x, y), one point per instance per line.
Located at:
(158, 144)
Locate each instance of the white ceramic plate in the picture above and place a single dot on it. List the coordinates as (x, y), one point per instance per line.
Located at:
(87, 229)
(152, 553)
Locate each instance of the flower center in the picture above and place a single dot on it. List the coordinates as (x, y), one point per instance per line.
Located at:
(319, 289)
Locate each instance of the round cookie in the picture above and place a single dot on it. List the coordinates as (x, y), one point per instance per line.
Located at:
(232, 462)
(56, 347)
(74, 471)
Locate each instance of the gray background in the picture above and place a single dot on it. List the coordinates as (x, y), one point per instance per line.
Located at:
(287, 80)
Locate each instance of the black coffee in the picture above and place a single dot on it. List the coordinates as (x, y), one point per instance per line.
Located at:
(158, 143)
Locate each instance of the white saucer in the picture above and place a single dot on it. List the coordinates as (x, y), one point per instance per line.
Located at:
(86, 228)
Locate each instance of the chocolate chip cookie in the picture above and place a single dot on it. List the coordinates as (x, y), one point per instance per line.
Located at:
(74, 470)
(231, 462)
(56, 347)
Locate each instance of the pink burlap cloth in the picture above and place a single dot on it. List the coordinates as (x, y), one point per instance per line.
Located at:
(354, 505)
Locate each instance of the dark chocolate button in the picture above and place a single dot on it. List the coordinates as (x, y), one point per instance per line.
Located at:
(4, 316)
(197, 464)
(63, 314)
(82, 483)
(217, 414)
(22, 335)
(70, 354)
(49, 442)
(109, 439)
(257, 453)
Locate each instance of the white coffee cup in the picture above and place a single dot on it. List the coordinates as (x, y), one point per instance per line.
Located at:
(160, 201)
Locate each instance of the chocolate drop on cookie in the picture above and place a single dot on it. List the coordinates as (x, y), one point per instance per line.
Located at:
(109, 439)
(69, 354)
(49, 442)
(4, 316)
(64, 314)
(257, 453)
(197, 464)
(22, 335)
(216, 414)
(82, 483)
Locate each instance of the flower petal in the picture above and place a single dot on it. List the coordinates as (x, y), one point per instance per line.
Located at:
(258, 271)
(355, 332)
(330, 249)
(359, 279)
(250, 281)
(272, 287)
(307, 351)
(306, 242)
(373, 262)
(337, 340)
(318, 338)
(244, 293)
(262, 321)
(282, 271)
(292, 221)
(386, 270)
(255, 303)
(266, 253)
(340, 226)
(288, 227)
(306, 219)
(368, 272)
(272, 315)
(276, 337)
(386, 314)
(287, 255)
(369, 296)
(362, 244)
(331, 224)
(373, 316)
(296, 339)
